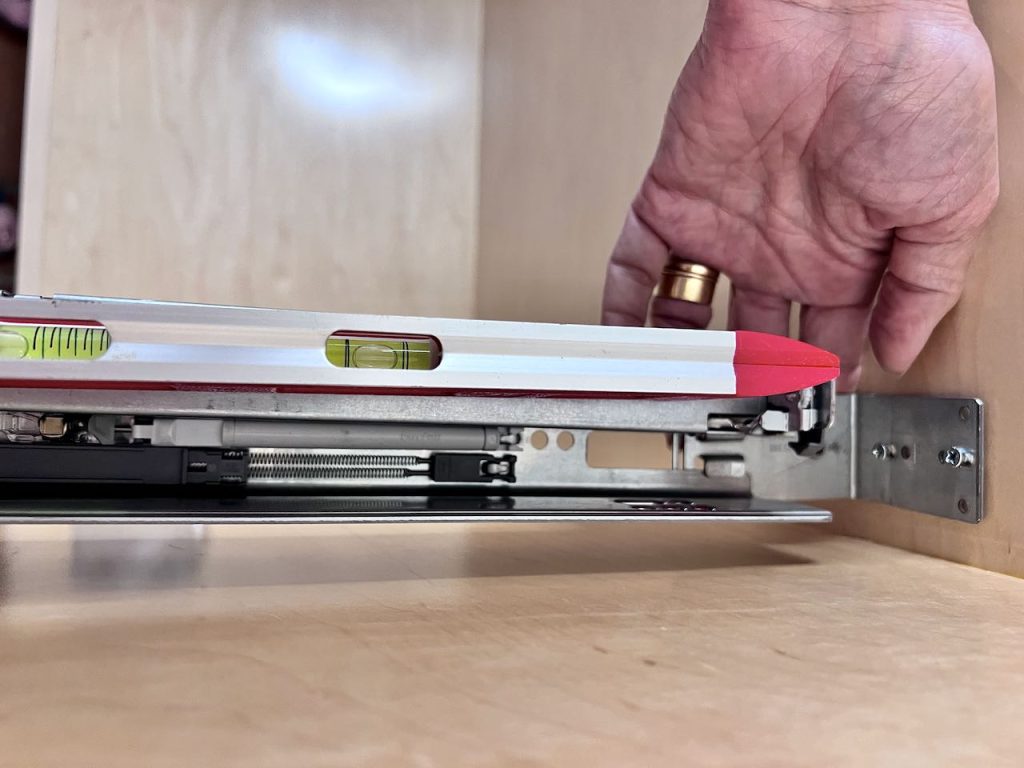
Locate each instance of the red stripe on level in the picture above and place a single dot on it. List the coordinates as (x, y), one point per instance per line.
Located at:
(773, 365)
(298, 389)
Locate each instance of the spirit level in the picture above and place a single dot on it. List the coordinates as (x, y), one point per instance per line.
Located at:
(83, 342)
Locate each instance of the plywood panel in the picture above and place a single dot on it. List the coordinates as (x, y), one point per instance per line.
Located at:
(979, 349)
(510, 645)
(274, 152)
(574, 96)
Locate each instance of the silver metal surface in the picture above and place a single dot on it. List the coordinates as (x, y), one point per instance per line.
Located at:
(803, 410)
(725, 466)
(775, 470)
(408, 509)
(638, 414)
(295, 433)
(558, 469)
(936, 461)
(20, 427)
(920, 453)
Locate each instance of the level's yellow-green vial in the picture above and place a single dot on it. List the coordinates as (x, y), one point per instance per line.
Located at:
(51, 341)
(405, 353)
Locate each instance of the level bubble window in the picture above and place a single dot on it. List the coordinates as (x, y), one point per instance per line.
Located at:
(52, 341)
(383, 351)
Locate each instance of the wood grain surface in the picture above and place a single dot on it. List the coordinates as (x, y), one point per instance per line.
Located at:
(281, 153)
(511, 645)
(979, 350)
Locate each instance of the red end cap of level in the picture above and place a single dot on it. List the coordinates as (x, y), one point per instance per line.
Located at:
(774, 365)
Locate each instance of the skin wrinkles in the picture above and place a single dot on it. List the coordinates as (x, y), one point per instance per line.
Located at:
(837, 153)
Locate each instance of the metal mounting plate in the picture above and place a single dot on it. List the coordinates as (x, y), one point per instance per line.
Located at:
(921, 453)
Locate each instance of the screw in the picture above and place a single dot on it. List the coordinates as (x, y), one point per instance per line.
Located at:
(956, 457)
(962, 506)
(965, 413)
(881, 451)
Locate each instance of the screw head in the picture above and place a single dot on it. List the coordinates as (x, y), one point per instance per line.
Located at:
(881, 451)
(956, 456)
(950, 456)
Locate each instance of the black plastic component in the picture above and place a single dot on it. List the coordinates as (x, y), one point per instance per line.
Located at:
(138, 465)
(121, 465)
(215, 467)
(809, 443)
(470, 468)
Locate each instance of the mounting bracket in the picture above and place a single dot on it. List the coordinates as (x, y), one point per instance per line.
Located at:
(921, 453)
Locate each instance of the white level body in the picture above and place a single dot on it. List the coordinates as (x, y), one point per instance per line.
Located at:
(163, 343)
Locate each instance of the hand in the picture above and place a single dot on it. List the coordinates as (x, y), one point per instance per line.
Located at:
(17, 13)
(837, 153)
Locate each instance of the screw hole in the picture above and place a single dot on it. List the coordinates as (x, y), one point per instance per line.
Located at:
(905, 452)
(965, 413)
(565, 440)
(963, 506)
(539, 440)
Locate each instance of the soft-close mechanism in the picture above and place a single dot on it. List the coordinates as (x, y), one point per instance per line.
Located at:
(740, 458)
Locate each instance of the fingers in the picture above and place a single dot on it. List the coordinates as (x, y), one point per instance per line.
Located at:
(633, 271)
(843, 331)
(924, 281)
(755, 311)
(672, 313)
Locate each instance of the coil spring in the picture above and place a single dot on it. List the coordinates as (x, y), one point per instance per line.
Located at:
(312, 459)
(302, 465)
(327, 473)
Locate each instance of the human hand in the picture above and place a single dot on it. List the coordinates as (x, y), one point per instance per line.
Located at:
(837, 153)
(17, 13)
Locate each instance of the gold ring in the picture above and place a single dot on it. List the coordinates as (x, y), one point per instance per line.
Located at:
(687, 281)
